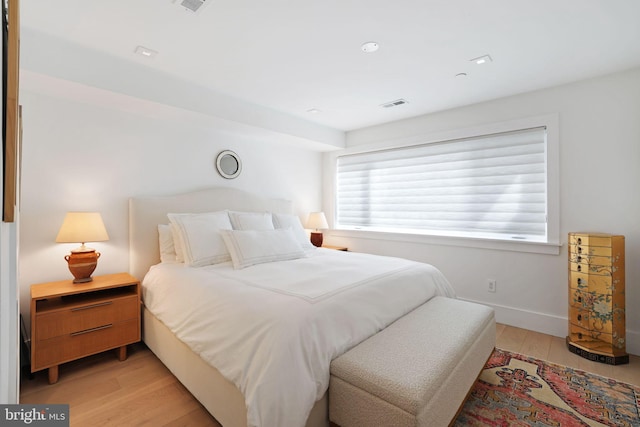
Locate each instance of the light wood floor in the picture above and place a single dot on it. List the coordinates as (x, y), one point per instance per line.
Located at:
(140, 391)
(554, 349)
(101, 391)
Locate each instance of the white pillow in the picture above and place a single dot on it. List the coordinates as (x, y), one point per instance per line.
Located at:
(293, 222)
(177, 243)
(202, 243)
(250, 247)
(165, 241)
(251, 220)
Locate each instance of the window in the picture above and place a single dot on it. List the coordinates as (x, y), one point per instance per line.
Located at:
(491, 186)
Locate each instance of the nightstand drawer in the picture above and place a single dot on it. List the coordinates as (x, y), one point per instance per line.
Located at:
(582, 335)
(590, 259)
(594, 283)
(578, 280)
(590, 250)
(83, 343)
(87, 316)
(579, 335)
(579, 317)
(579, 299)
(589, 239)
(585, 267)
(588, 342)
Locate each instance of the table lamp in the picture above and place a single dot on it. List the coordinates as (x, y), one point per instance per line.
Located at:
(82, 227)
(317, 221)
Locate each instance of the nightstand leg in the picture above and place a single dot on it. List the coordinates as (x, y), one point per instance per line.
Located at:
(53, 374)
(122, 353)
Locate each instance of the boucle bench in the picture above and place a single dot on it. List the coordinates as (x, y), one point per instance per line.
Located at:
(417, 371)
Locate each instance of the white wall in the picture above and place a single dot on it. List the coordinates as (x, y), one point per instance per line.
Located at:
(599, 191)
(92, 150)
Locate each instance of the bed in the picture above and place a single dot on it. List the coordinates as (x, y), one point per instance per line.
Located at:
(230, 331)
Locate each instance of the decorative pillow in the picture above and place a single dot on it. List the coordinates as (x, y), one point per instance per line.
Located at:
(293, 222)
(251, 220)
(250, 247)
(165, 241)
(202, 243)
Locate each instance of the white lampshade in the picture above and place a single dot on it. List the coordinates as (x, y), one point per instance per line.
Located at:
(82, 227)
(317, 221)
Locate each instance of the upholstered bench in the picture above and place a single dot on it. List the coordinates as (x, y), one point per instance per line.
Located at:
(417, 371)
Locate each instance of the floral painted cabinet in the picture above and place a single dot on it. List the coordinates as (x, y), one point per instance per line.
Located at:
(597, 298)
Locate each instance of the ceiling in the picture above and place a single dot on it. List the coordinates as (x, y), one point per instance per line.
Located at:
(296, 55)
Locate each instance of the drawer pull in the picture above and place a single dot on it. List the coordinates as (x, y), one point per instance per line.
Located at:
(579, 258)
(87, 307)
(579, 335)
(579, 249)
(579, 268)
(579, 299)
(579, 317)
(579, 241)
(86, 331)
(579, 281)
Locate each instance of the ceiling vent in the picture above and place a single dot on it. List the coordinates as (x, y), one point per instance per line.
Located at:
(394, 103)
(192, 5)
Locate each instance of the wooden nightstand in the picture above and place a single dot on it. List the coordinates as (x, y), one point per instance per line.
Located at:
(337, 248)
(70, 321)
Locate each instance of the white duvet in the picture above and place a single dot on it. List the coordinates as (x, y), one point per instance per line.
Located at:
(272, 329)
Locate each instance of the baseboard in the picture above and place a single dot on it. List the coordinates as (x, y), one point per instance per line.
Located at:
(546, 323)
(633, 342)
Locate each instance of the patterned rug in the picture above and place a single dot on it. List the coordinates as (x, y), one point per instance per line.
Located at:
(517, 390)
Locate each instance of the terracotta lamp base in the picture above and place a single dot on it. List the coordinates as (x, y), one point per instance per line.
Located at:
(82, 265)
(316, 239)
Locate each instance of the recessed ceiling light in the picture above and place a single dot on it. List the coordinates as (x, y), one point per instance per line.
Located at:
(484, 59)
(145, 51)
(313, 111)
(369, 47)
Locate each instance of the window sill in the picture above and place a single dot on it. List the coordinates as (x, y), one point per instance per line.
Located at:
(468, 242)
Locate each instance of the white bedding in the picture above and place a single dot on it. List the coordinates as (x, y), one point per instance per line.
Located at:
(272, 329)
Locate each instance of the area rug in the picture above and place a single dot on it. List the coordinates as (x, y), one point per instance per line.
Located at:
(517, 390)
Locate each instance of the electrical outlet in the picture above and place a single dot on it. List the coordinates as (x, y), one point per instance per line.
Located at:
(492, 285)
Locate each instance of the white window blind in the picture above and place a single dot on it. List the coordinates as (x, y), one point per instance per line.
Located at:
(491, 186)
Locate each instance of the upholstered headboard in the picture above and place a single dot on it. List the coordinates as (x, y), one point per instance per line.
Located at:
(145, 213)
